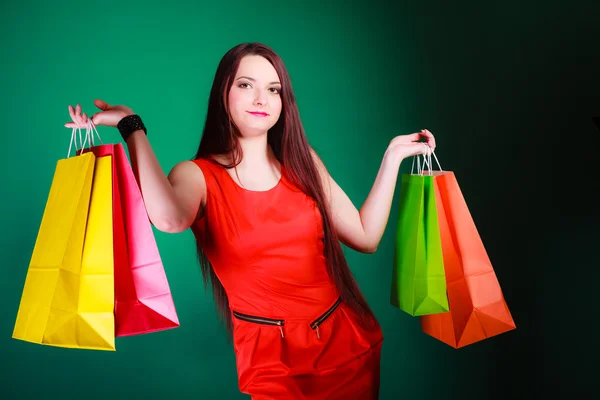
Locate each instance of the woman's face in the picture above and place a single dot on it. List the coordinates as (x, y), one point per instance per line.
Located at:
(254, 97)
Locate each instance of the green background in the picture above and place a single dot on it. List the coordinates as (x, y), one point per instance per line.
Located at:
(507, 88)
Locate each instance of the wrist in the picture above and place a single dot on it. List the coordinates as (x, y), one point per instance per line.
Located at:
(393, 158)
(130, 124)
(133, 136)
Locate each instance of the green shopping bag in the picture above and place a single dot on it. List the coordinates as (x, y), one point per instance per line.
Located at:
(418, 278)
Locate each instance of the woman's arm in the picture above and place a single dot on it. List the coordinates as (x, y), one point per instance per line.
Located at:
(172, 202)
(362, 230)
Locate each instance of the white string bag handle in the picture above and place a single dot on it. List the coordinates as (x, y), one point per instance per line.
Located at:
(427, 162)
(430, 153)
(89, 138)
(89, 133)
(74, 142)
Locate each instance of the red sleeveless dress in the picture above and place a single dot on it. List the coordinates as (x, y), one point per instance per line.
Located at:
(294, 337)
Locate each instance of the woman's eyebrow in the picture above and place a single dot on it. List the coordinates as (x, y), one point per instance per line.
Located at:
(254, 80)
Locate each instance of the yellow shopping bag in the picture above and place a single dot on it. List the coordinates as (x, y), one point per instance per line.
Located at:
(68, 296)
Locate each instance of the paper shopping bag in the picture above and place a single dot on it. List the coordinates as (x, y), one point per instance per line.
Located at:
(418, 279)
(143, 301)
(478, 309)
(68, 296)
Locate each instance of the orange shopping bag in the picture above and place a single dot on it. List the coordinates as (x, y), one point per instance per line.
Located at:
(478, 309)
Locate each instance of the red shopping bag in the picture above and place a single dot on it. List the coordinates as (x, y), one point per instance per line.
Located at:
(143, 301)
(478, 309)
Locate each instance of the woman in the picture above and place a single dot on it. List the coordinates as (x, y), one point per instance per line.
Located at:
(268, 219)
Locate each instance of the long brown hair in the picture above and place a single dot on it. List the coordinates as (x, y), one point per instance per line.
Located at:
(290, 146)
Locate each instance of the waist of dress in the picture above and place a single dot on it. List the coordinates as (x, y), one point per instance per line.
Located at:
(280, 322)
(299, 312)
(279, 301)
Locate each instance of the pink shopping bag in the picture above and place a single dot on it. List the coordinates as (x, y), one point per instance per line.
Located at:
(143, 301)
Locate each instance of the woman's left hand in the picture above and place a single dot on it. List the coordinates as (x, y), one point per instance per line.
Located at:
(404, 146)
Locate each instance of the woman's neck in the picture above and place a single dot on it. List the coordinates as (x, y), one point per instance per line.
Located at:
(256, 152)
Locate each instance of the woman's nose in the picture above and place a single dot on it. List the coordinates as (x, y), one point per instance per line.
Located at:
(260, 99)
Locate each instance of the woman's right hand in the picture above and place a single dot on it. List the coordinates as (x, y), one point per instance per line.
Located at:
(109, 116)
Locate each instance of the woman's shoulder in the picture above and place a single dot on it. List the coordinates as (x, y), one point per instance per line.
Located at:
(211, 161)
(206, 164)
(212, 169)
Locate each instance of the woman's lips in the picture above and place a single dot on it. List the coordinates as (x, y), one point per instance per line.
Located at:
(258, 113)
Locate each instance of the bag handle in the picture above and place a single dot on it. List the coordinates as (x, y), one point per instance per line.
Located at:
(89, 133)
(427, 162)
(74, 141)
(89, 138)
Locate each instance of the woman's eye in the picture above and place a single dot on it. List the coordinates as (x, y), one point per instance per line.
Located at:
(275, 90)
(244, 85)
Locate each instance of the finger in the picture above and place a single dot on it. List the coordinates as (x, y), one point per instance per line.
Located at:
(97, 118)
(430, 138)
(427, 149)
(72, 112)
(85, 118)
(413, 137)
(410, 138)
(426, 133)
(78, 115)
(101, 104)
(418, 149)
(71, 125)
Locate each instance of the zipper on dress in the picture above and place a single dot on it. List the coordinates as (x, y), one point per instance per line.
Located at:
(261, 320)
(315, 324)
